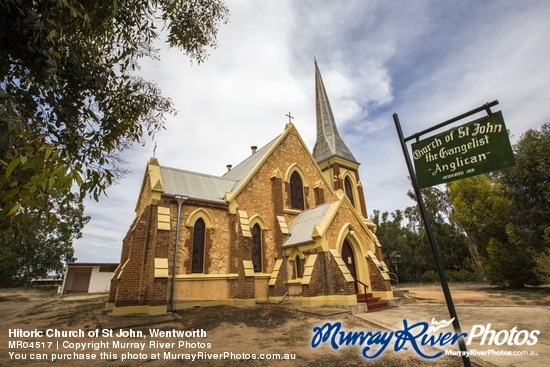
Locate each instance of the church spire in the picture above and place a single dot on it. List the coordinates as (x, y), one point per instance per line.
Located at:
(329, 143)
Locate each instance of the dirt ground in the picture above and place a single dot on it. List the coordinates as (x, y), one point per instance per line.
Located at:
(238, 331)
(468, 294)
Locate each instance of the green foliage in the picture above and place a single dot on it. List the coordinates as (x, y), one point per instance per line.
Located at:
(70, 100)
(505, 217)
(516, 258)
(34, 244)
(528, 186)
(430, 276)
(480, 208)
(405, 247)
(462, 276)
(400, 246)
(543, 266)
(509, 264)
(452, 276)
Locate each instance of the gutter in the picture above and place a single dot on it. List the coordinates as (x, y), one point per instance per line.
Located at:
(180, 199)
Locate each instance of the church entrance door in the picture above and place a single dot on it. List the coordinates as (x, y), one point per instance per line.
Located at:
(349, 259)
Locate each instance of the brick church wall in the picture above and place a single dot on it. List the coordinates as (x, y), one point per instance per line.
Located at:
(131, 287)
(378, 283)
(327, 278)
(262, 196)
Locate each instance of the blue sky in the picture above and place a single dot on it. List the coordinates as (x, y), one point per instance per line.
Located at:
(428, 61)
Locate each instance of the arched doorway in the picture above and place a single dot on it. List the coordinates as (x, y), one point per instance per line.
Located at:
(349, 260)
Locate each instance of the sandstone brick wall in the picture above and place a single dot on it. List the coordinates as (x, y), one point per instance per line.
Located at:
(378, 283)
(279, 289)
(217, 239)
(361, 193)
(145, 195)
(261, 289)
(131, 287)
(263, 197)
(202, 290)
(267, 196)
(346, 216)
(327, 278)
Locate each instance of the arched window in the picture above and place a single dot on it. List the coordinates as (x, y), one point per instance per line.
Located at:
(296, 191)
(349, 190)
(298, 266)
(197, 265)
(257, 248)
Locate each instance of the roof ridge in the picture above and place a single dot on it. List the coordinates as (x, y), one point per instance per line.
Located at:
(196, 173)
(258, 153)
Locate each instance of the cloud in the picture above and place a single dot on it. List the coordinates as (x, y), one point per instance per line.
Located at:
(426, 60)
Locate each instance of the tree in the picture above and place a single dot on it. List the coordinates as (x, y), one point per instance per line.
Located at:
(449, 239)
(397, 253)
(70, 100)
(33, 246)
(406, 248)
(482, 210)
(507, 215)
(543, 260)
(528, 186)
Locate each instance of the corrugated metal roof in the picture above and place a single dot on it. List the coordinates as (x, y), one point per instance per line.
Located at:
(195, 185)
(240, 172)
(301, 230)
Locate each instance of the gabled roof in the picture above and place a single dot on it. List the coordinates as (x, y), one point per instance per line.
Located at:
(329, 143)
(204, 187)
(195, 185)
(217, 189)
(246, 170)
(313, 223)
(302, 229)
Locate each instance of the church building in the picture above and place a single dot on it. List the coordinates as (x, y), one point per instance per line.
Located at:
(284, 225)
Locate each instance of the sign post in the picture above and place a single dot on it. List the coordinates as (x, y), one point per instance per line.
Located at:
(467, 150)
(476, 147)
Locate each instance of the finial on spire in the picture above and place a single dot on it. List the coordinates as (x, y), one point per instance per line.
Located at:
(155, 150)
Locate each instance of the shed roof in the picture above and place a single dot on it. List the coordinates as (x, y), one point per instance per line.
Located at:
(73, 264)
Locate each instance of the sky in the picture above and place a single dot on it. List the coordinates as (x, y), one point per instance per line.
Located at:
(427, 61)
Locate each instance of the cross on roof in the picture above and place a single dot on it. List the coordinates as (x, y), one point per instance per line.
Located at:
(290, 117)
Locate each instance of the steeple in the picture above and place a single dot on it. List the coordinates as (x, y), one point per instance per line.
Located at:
(329, 144)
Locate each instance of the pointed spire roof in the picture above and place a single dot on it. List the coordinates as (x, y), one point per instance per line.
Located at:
(329, 143)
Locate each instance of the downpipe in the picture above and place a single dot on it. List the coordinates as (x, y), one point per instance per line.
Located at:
(180, 200)
(286, 277)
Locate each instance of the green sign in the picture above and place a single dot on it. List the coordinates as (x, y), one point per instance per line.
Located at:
(477, 147)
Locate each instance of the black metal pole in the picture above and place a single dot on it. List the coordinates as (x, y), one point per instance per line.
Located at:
(433, 245)
(486, 107)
